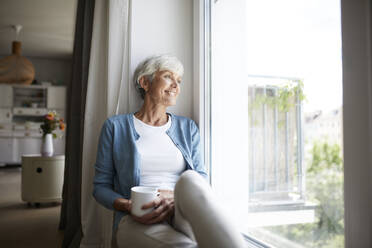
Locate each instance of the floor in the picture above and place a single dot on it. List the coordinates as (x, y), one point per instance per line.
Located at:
(22, 225)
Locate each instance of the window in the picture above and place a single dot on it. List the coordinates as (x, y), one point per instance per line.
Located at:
(274, 106)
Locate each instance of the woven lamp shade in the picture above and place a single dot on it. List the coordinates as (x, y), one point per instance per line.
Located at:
(16, 69)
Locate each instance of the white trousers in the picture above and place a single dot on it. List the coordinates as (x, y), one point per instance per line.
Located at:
(198, 221)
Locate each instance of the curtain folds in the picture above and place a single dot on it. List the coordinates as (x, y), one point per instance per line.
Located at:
(70, 219)
(107, 95)
(98, 89)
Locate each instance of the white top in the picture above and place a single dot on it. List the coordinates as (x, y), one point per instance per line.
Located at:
(161, 161)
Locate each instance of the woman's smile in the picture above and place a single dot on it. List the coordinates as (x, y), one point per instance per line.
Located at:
(171, 92)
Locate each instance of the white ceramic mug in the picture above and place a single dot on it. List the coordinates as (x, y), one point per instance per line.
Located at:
(141, 195)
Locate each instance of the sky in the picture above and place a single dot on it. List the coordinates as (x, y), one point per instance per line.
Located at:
(298, 38)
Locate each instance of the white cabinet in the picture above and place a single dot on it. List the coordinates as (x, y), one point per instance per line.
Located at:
(6, 115)
(33, 99)
(29, 111)
(22, 109)
(42, 178)
(29, 96)
(8, 150)
(56, 97)
(6, 96)
(5, 128)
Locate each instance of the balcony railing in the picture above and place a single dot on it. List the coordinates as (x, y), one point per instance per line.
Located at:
(276, 141)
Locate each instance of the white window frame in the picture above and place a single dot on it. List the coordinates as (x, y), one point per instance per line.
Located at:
(357, 112)
(202, 80)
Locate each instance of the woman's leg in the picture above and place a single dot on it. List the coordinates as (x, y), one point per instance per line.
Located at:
(133, 234)
(195, 204)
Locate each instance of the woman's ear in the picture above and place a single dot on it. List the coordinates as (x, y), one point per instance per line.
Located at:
(144, 83)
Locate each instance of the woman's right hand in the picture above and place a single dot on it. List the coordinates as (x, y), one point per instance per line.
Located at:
(122, 204)
(163, 209)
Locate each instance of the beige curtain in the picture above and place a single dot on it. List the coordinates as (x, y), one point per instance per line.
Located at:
(107, 95)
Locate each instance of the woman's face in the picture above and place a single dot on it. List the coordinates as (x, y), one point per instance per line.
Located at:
(164, 89)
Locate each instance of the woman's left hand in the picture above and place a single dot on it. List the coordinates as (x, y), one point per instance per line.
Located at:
(164, 209)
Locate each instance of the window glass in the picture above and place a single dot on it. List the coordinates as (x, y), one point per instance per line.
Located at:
(276, 119)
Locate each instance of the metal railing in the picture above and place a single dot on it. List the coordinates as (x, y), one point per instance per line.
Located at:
(276, 142)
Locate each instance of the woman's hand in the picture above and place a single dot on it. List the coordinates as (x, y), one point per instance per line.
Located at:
(164, 209)
(122, 204)
(169, 194)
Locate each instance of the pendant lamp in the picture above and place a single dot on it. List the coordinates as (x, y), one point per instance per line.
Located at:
(16, 69)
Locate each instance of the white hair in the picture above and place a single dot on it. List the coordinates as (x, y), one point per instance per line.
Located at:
(153, 64)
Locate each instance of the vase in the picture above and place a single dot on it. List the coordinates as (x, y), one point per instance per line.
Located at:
(47, 145)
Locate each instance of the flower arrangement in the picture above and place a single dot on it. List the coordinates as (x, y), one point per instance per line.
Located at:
(51, 122)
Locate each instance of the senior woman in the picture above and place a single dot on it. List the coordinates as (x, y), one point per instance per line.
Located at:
(152, 147)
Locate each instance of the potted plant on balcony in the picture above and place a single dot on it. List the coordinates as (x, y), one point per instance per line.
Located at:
(51, 122)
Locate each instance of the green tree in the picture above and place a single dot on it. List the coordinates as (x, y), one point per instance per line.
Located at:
(324, 187)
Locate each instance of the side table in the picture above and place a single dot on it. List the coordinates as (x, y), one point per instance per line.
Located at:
(42, 178)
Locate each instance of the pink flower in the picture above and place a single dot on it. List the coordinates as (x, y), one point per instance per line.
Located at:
(50, 116)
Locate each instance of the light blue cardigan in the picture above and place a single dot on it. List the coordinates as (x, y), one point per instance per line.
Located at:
(117, 167)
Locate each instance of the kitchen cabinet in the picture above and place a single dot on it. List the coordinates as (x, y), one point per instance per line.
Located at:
(6, 115)
(56, 97)
(29, 111)
(22, 109)
(6, 96)
(8, 150)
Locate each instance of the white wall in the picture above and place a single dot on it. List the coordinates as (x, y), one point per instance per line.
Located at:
(56, 70)
(163, 26)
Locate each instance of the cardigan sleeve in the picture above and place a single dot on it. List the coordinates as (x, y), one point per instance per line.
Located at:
(103, 183)
(196, 151)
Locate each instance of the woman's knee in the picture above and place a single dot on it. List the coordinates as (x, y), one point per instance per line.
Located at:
(190, 182)
(188, 177)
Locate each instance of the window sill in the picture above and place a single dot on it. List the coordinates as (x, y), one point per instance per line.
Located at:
(281, 213)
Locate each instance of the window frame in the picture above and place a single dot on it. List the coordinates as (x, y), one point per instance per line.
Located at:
(201, 69)
(357, 95)
(357, 105)
(202, 84)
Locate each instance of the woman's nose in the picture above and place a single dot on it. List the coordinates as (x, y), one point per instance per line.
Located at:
(174, 83)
